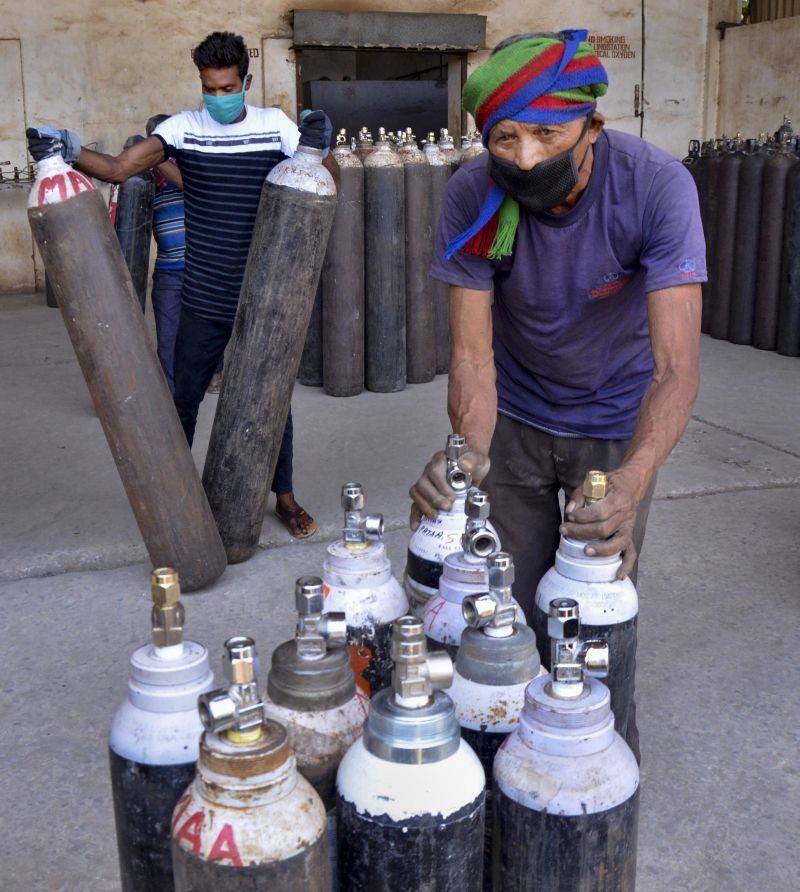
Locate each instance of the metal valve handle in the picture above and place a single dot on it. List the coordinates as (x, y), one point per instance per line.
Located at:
(571, 659)
(359, 528)
(237, 710)
(316, 631)
(494, 611)
(417, 673)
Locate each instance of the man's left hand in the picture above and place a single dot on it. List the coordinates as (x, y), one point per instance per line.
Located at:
(611, 521)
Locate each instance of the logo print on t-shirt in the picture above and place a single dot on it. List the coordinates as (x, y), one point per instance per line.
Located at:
(608, 286)
(687, 268)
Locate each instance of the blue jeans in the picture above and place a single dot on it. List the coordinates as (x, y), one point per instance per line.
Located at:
(166, 297)
(199, 349)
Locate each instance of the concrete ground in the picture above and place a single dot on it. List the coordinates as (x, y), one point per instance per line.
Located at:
(718, 674)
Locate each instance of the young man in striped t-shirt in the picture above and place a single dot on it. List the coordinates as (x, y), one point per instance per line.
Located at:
(224, 153)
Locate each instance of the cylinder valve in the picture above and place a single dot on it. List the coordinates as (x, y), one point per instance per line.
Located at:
(359, 528)
(417, 673)
(168, 614)
(570, 657)
(479, 539)
(595, 486)
(459, 480)
(316, 631)
(238, 710)
(494, 611)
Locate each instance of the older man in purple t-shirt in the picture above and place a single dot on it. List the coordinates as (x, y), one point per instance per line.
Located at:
(587, 357)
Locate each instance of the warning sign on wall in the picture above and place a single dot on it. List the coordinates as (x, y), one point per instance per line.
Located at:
(612, 46)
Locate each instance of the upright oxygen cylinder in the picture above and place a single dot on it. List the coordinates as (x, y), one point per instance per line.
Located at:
(721, 277)
(710, 160)
(788, 340)
(311, 691)
(310, 371)
(448, 150)
(434, 539)
(343, 282)
(294, 218)
(745, 255)
(249, 821)
(420, 333)
(153, 744)
(385, 264)
(440, 175)
(358, 581)
(114, 348)
(364, 144)
(609, 606)
(566, 785)
(134, 225)
(464, 573)
(410, 797)
(496, 662)
(770, 246)
(475, 148)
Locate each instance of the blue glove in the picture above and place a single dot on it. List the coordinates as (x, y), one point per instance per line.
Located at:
(46, 141)
(316, 130)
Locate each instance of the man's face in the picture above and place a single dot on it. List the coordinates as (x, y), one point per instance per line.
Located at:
(528, 144)
(219, 81)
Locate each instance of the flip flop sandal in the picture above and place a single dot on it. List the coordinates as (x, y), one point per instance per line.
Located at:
(288, 516)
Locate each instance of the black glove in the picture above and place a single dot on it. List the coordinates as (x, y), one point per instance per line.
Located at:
(45, 141)
(315, 129)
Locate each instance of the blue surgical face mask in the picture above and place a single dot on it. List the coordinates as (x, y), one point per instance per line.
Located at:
(225, 109)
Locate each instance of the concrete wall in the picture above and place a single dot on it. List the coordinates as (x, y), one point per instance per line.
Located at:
(759, 77)
(102, 67)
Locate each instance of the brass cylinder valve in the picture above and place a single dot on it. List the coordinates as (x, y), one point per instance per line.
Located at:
(494, 611)
(595, 485)
(359, 528)
(237, 710)
(316, 631)
(417, 673)
(570, 657)
(167, 615)
(478, 539)
(458, 480)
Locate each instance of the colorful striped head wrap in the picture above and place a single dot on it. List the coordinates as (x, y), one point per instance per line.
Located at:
(538, 79)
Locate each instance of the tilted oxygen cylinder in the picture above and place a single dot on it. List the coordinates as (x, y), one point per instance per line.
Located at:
(153, 744)
(433, 540)
(358, 581)
(410, 798)
(249, 820)
(566, 785)
(311, 691)
(464, 573)
(496, 662)
(609, 606)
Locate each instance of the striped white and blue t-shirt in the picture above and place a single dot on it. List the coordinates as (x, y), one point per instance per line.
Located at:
(223, 168)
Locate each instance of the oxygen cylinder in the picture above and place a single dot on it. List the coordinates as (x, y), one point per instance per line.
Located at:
(280, 281)
(609, 606)
(310, 371)
(249, 820)
(311, 691)
(364, 144)
(463, 573)
(721, 278)
(420, 334)
(788, 339)
(566, 785)
(433, 540)
(358, 581)
(153, 743)
(343, 282)
(496, 662)
(745, 255)
(50, 296)
(770, 246)
(134, 225)
(385, 269)
(448, 149)
(116, 355)
(708, 167)
(475, 148)
(440, 174)
(410, 798)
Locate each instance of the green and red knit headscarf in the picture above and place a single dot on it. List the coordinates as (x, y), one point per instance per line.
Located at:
(538, 79)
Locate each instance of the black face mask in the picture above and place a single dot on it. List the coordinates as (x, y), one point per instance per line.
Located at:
(546, 184)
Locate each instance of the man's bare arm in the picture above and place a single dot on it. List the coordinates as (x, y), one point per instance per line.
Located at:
(674, 320)
(142, 156)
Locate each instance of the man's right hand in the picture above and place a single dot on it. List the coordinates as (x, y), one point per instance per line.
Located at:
(432, 493)
(44, 141)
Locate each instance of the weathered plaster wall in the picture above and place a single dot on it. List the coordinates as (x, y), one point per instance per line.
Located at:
(102, 67)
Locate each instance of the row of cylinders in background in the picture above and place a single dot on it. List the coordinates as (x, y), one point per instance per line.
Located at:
(749, 192)
(429, 790)
(379, 320)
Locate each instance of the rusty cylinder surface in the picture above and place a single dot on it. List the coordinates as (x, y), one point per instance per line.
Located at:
(420, 332)
(343, 288)
(105, 323)
(280, 282)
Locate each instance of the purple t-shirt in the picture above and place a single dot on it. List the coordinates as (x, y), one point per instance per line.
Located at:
(571, 342)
